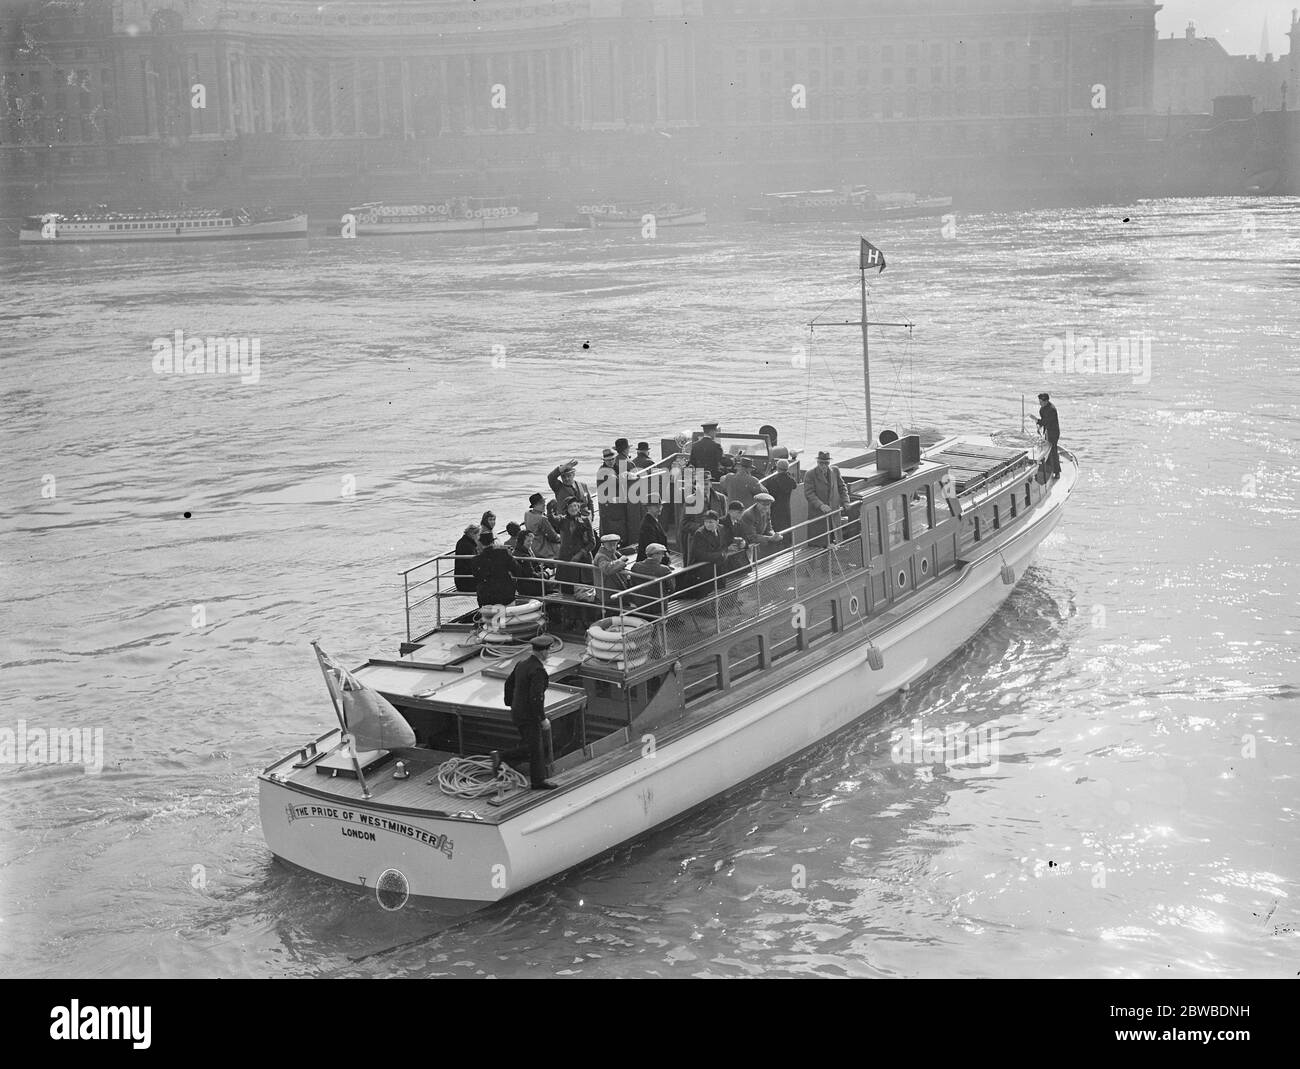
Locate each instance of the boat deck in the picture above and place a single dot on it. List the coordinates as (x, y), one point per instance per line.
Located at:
(420, 791)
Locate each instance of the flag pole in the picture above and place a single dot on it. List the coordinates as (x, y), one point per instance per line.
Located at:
(343, 724)
(866, 366)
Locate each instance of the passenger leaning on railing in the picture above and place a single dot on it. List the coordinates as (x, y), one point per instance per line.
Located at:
(611, 569)
(650, 601)
(709, 550)
(467, 547)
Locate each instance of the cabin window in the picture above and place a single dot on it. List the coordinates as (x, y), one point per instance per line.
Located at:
(1013, 504)
(1027, 502)
(997, 519)
(873, 530)
(970, 530)
(920, 511)
(896, 519)
(939, 495)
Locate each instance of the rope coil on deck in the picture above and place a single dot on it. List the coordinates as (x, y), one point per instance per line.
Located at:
(471, 777)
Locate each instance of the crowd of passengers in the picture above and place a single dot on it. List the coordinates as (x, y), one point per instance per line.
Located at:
(741, 516)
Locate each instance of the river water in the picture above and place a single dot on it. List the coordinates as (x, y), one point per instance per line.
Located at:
(171, 543)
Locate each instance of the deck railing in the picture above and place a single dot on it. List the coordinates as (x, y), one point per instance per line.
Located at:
(699, 607)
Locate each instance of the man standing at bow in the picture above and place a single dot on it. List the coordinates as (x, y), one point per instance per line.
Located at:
(827, 497)
(1050, 425)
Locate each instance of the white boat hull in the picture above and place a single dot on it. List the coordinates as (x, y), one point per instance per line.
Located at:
(606, 222)
(491, 861)
(520, 221)
(63, 234)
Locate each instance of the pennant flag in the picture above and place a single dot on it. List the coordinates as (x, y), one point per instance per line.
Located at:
(368, 716)
(870, 256)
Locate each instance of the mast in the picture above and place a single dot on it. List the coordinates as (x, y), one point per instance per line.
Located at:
(866, 363)
(877, 260)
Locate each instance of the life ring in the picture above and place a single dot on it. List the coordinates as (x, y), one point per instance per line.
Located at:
(632, 640)
(521, 608)
(612, 652)
(619, 660)
(617, 628)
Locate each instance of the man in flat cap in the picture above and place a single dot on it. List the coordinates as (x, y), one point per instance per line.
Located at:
(649, 602)
(827, 496)
(526, 695)
(1050, 425)
(706, 453)
(756, 525)
(611, 569)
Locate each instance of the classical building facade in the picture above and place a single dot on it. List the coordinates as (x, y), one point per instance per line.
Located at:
(722, 91)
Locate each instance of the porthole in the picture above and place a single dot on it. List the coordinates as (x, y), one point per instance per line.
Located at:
(902, 578)
(925, 565)
(853, 605)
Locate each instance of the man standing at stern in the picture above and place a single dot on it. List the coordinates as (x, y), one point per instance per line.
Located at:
(526, 696)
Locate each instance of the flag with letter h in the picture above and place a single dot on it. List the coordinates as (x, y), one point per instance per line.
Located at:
(870, 256)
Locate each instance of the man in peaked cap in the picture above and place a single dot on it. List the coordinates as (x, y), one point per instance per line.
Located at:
(526, 696)
(706, 453)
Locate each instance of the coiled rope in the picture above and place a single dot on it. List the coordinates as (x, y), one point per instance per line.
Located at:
(471, 777)
(496, 650)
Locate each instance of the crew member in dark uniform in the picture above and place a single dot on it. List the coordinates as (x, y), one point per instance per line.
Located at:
(526, 696)
(707, 453)
(1050, 425)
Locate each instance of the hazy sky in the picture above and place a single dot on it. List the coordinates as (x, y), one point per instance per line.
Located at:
(1236, 23)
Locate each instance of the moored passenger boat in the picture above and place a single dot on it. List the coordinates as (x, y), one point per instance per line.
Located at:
(857, 204)
(166, 224)
(448, 216)
(661, 699)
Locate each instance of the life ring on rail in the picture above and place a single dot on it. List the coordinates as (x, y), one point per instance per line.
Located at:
(622, 659)
(609, 651)
(522, 611)
(618, 628)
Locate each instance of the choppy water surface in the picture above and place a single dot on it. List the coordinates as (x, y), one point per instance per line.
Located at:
(1141, 682)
